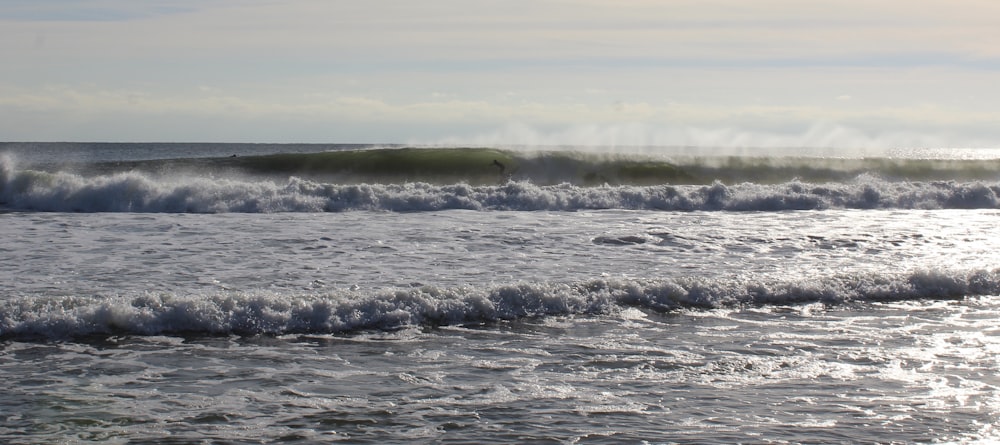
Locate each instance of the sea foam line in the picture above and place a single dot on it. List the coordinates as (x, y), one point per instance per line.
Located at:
(352, 311)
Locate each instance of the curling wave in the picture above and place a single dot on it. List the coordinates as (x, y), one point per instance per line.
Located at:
(354, 311)
(485, 166)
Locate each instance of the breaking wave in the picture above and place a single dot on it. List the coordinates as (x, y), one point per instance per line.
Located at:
(33, 190)
(352, 311)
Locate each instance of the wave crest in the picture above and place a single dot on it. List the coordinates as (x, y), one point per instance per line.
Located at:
(354, 311)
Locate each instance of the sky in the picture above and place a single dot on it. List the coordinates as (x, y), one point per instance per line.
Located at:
(845, 73)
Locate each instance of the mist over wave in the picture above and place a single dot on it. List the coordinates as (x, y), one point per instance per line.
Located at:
(351, 311)
(817, 139)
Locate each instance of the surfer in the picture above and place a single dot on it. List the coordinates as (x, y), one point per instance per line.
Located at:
(499, 165)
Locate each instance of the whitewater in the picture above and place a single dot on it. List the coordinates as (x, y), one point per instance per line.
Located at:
(255, 293)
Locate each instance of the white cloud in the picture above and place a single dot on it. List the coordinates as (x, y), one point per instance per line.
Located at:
(611, 124)
(443, 67)
(684, 30)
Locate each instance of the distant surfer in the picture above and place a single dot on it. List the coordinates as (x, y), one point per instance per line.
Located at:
(497, 164)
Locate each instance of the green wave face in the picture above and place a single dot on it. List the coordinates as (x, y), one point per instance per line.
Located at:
(404, 163)
(470, 165)
(479, 166)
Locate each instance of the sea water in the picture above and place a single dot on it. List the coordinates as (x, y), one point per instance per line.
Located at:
(144, 304)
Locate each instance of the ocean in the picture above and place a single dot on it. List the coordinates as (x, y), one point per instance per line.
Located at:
(279, 293)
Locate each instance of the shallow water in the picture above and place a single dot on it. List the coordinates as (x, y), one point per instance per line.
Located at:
(84, 362)
(60, 254)
(912, 372)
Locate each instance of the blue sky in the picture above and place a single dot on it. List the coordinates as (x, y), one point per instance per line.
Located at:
(589, 72)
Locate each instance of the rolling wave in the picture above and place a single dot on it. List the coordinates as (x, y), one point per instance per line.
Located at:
(354, 311)
(133, 191)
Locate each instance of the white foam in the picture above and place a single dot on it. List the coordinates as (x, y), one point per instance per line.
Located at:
(353, 311)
